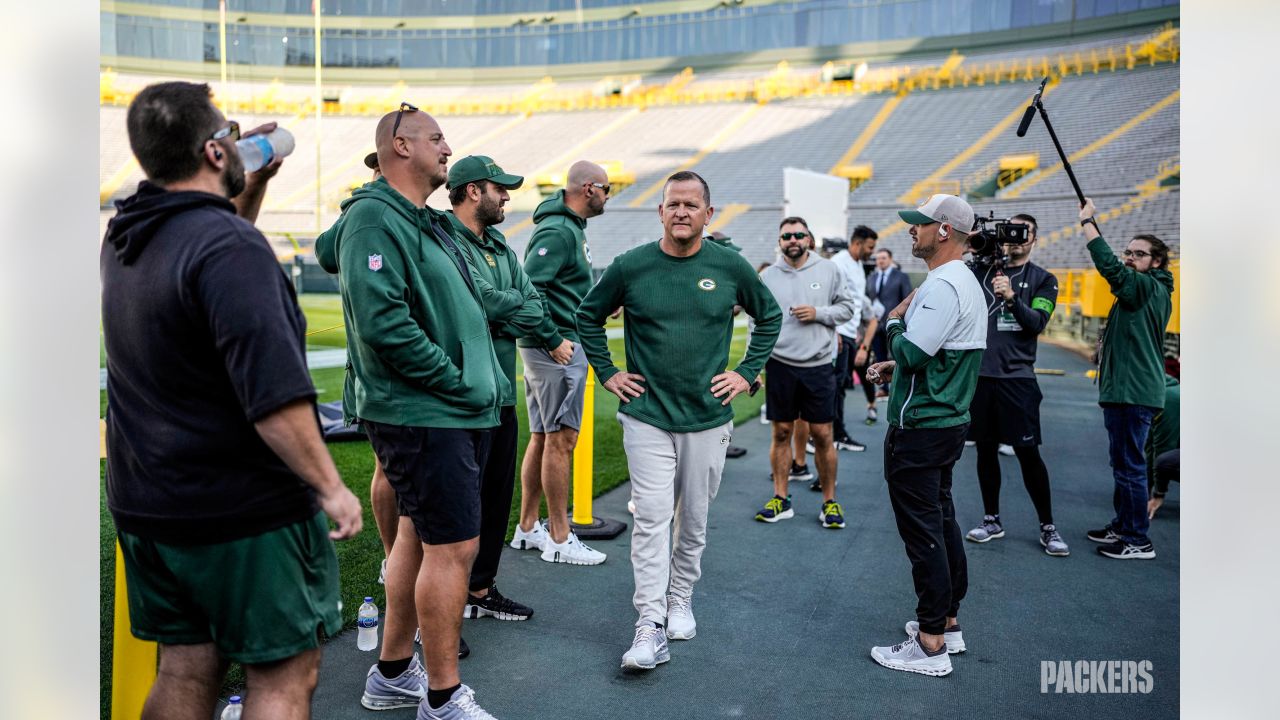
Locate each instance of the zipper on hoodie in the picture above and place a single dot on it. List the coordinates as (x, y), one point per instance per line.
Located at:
(902, 414)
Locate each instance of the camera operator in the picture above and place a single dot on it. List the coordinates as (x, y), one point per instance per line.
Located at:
(1020, 299)
(1131, 377)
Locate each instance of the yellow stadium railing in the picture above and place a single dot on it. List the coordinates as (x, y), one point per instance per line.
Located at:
(781, 82)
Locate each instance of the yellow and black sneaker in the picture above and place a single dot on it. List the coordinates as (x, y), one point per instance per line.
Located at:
(832, 515)
(778, 508)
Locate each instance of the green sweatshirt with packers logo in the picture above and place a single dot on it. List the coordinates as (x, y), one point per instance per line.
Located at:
(418, 346)
(509, 317)
(1131, 365)
(558, 263)
(679, 325)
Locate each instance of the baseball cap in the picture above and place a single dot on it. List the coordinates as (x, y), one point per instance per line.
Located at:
(940, 208)
(371, 161)
(478, 167)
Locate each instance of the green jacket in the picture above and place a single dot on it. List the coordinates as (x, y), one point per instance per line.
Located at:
(558, 263)
(509, 318)
(418, 346)
(1166, 429)
(1131, 365)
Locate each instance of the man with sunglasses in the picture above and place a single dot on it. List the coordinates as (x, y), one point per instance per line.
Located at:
(800, 383)
(1130, 377)
(558, 263)
(218, 479)
(936, 337)
(424, 381)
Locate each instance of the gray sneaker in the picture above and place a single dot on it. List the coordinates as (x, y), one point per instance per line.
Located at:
(990, 529)
(909, 656)
(648, 648)
(952, 636)
(680, 622)
(407, 690)
(462, 706)
(1052, 541)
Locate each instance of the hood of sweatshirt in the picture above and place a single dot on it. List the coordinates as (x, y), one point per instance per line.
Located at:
(381, 191)
(809, 261)
(140, 215)
(1164, 277)
(554, 205)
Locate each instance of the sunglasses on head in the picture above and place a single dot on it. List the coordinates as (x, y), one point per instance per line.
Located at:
(232, 130)
(403, 106)
(797, 235)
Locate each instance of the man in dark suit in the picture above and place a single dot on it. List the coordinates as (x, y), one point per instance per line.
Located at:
(887, 286)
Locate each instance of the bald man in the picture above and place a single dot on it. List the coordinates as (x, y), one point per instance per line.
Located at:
(425, 382)
(558, 263)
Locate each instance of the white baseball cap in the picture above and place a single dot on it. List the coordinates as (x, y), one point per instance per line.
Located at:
(940, 208)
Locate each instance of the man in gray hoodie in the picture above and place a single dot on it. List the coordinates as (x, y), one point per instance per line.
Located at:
(816, 299)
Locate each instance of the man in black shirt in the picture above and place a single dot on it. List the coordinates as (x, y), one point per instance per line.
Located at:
(216, 469)
(1006, 405)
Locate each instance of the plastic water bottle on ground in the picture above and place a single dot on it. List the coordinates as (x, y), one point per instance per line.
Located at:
(233, 709)
(764, 419)
(259, 150)
(367, 626)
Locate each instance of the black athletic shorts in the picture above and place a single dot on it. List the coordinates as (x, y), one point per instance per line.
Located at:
(805, 392)
(436, 474)
(1006, 410)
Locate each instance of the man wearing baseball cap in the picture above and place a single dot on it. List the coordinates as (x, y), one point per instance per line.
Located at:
(936, 337)
(478, 189)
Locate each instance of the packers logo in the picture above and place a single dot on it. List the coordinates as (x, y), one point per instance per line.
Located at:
(815, 286)
(707, 284)
(489, 259)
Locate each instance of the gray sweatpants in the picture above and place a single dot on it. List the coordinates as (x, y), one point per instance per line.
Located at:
(673, 476)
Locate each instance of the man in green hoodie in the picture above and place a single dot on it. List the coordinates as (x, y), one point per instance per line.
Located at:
(477, 191)
(1131, 377)
(423, 379)
(558, 263)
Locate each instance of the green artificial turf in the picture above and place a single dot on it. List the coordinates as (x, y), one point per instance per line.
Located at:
(359, 558)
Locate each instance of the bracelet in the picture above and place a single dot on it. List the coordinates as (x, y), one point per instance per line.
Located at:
(1090, 221)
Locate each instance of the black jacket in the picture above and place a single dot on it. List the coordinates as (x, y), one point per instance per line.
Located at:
(204, 337)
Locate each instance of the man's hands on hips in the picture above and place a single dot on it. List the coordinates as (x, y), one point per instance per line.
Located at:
(729, 385)
(881, 373)
(625, 385)
(564, 353)
(342, 506)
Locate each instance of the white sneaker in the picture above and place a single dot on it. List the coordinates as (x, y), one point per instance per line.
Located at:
(571, 551)
(909, 656)
(631, 506)
(809, 448)
(648, 648)
(382, 574)
(680, 622)
(535, 539)
(462, 706)
(953, 637)
(1006, 450)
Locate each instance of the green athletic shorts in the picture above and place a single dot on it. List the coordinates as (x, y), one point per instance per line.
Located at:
(258, 599)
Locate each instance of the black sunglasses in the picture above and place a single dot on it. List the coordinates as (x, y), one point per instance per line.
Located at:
(796, 235)
(403, 106)
(232, 130)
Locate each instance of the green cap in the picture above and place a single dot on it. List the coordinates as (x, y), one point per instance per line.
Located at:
(478, 167)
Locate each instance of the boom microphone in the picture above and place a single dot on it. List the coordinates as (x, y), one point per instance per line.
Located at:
(1026, 120)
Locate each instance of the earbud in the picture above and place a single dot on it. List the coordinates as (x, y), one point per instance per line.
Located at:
(942, 232)
(217, 154)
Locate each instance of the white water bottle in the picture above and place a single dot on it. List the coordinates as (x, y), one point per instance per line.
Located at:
(233, 709)
(764, 419)
(367, 626)
(259, 150)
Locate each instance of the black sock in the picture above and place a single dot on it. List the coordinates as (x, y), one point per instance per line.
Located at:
(393, 668)
(437, 698)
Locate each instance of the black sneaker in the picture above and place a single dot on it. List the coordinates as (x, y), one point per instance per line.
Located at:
(463, 649)
(1124, 551)
(816, 485)
(849, 444)
(494, 604)
(799, 472)
(1105, 535)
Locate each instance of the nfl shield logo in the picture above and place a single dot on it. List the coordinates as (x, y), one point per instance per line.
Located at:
(375, 262)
